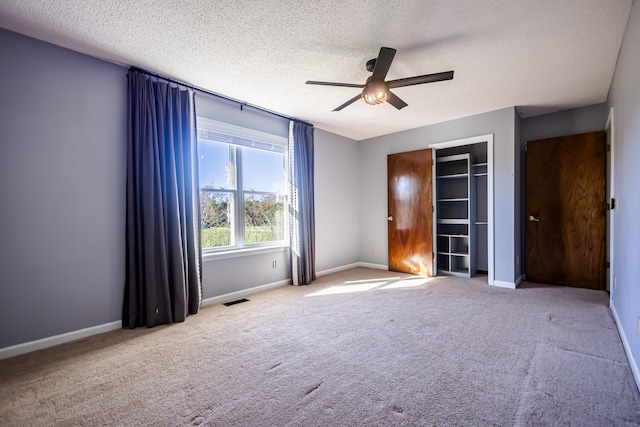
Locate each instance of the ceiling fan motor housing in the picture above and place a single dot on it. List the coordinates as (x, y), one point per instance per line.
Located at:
(371, 64)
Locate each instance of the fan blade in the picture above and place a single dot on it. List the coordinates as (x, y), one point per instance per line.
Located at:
(395, 101)
(383, 63)
(311, 82)
(418, 80)
(349, 102)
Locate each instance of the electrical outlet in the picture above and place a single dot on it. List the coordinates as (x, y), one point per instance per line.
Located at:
(274, 264)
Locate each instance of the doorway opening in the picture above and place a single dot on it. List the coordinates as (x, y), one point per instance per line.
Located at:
(480, 200)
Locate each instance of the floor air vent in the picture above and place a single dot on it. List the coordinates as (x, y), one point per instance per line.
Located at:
(235, 302)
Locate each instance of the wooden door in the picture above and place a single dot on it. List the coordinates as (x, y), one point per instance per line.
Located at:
(410, 223)
(565, 210)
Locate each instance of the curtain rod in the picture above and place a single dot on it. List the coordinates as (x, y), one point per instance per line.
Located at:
(217, 95)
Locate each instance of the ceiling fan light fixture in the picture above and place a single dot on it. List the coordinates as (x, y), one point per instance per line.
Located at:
(376, 89)
(375, 93)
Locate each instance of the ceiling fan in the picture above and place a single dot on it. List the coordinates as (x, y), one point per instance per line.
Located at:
(376, 89)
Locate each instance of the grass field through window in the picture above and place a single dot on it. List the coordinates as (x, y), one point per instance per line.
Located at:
(215, 237)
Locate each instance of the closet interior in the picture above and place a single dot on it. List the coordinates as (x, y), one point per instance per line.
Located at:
(461, 210)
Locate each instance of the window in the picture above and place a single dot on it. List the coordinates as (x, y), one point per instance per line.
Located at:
(242, 186)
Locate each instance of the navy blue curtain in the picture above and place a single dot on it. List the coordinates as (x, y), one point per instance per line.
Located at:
(163, 257)
(302, 208)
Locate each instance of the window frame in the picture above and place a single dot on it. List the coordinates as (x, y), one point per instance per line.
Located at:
(239, 138)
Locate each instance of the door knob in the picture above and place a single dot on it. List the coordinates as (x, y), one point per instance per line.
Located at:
(390, 218)
(533, 219)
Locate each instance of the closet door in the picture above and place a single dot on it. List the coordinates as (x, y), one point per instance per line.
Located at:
(410, 223)
(565, 208)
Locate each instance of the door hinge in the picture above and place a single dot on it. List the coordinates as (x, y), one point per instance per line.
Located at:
(607, 264)
(608, 147)
(525, 146)
(608, 206)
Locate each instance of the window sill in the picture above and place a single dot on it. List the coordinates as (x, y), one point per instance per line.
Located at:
(236, 253)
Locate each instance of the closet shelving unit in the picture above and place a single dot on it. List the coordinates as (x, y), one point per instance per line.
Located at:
(455, 214)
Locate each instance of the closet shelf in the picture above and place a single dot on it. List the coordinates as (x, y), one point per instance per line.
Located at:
(454, 253)
(452, 176)
(454, 200)
(453, 221)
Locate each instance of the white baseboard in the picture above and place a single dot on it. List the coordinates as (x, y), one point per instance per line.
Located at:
(28, 347)
(350, 266)
(107, 327)
(519, 280)
(627, 348)
(371, 265)
(507, 285)
(243, 293)
(336, 269)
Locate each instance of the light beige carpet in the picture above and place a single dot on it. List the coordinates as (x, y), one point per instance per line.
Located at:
(357, 348)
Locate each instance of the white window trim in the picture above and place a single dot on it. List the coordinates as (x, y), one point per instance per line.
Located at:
(242, 252)
(209, 254)
(246, 133)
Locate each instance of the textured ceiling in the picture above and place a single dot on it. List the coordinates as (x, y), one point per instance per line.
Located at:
(538, 55)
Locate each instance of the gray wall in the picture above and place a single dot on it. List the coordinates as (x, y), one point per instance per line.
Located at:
(568, 122)
(337, 233)
(337, 201)
(624, 98)
(62, 186)
(373, 181)
(233, 274)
